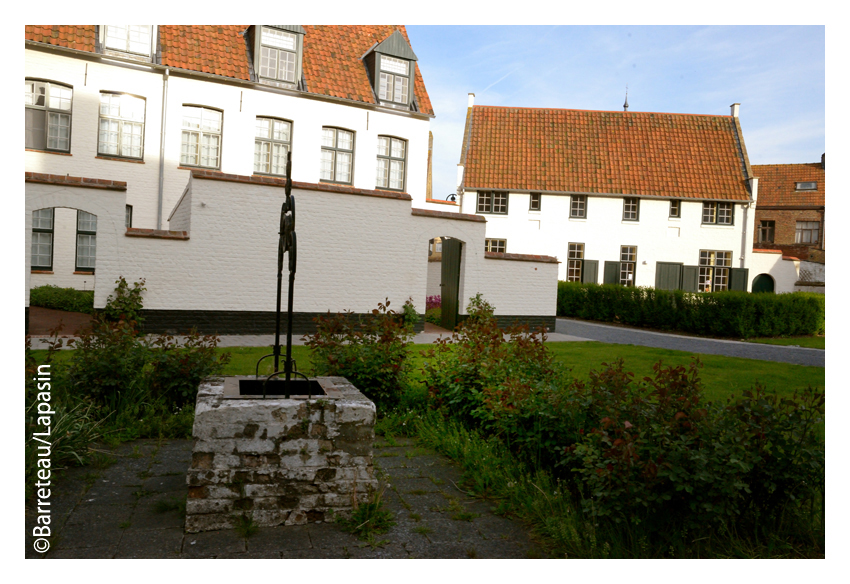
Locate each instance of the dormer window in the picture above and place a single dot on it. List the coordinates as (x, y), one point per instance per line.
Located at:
(391, 65)
(394, 80)
(277, 54)
(128, 40)
(807, 186)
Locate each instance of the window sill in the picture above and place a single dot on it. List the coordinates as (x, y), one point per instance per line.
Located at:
(333, 182)
(41, 271)
(714, 226)
(628, 222)
(579, 219)
(534, 212)
(118, 159)
(213, 168)
(677, 219)
(84, 273)
(48, 152)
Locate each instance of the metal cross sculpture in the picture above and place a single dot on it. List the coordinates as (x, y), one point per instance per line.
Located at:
(287, 243)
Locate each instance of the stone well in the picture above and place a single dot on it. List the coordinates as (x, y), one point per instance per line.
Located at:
(276, 460)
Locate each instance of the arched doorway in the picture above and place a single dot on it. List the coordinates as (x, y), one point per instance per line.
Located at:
(763, 283)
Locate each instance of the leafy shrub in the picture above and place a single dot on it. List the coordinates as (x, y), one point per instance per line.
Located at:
(126, 303)
(724, 314)
(434, 316)
(371, 353)
(57, 298)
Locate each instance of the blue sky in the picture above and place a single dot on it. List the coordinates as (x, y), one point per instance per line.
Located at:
(776, 73)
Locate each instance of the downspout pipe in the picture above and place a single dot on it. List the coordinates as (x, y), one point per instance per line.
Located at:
(162, 150)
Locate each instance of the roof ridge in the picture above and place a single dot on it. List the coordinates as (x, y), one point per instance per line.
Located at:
(560, 109)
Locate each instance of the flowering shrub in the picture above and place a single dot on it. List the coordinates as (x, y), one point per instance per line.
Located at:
(432, 302)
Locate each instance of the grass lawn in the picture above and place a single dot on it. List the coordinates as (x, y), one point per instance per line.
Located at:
(808, 342)
(722, 376)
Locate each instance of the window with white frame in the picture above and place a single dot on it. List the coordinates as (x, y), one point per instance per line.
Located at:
(534, 202)
(272, 141)
(631, 209)
(128, 216)
(717, 213)
(47, 109)
(391, 158)
(129, 38)
(675, 208)
(575, 259)
(578, 206)
(497, 245)
(807, 232)
(278, 55)
(628, 259)
(493, 202)
(201, 141)
(41, 257)
(86, 241)
(394, 79)
(714, 270)
(337, 155)
(121, 126)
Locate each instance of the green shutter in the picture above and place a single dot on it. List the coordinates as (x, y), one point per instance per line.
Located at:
(668, 276)
(690, 278)
(590, 272)
(612, 273)
(738, 278)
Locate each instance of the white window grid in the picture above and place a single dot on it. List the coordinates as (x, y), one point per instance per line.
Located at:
(807, 232)
(714, 270)
(391, 161)
(54, 100)
(394, 80)
(278, 55)
(42, 239)
(717, 213)
(86, 240)
(121, 125)
(130, 38)
(272, 140)
(628, 258)
(575, 257)
(201, 140)
(578, 206)
(493, 202)
(337, 155)
(496, 245)
(630, 209)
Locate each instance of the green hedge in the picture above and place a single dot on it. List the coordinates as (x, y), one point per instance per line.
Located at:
(58, 298)
(717, 314)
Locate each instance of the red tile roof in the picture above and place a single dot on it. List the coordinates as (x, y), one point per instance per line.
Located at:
(636, 153)
(70, 37)
(777, 184)
(332, 62)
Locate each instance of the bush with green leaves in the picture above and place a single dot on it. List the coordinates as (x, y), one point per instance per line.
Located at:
(434, 316)
(370, 352)
(125, 304)
(57, 298)
(720, 314)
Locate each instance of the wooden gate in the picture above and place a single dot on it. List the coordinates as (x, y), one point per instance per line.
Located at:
(450, 282)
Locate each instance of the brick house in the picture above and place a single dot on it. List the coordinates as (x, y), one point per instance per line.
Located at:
(791, 209)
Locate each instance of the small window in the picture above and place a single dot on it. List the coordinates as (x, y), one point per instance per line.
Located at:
(41, 257)
(575, 259)
(86, 241)
(121, 127)
(497, 245)
(392, 154)
(714, 270)
(534, 202)
(807, 186)
(201, 141)
(628, 259)
(767, 230)
(129, 38)
(578, 206)
(394, 80)
(631, 209)
(272, 140)
(278, 55)
(337, 155)
(493, 202)
(675, 209)
(807, 232)
(47, 108)
(717, 213)
(128, 216)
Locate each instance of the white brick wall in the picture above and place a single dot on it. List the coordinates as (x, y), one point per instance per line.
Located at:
(435, 277)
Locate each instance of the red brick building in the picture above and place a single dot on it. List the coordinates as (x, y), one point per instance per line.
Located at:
(790, 209)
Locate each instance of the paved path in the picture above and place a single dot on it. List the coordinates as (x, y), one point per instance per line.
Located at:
(630, 336)
(113, 513)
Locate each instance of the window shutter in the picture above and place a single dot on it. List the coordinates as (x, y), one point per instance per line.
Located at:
(668, 276)
(36, 134)
(612, 273)
(738, 278)
(590, 272)
(690, 278)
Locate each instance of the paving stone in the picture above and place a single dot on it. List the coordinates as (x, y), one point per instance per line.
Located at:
(279, 539)
(145, 515)
(93, 553)
(107, 493)
(427, 550)
(404, 485)
(95, 513)
(86, 535)
(390, 462)
(328, 535)
(212, 544)
(250, 556)
(448, 531)
(315, 554)
(387, 551)
(151, 543)
(161, 484)
(396, 473)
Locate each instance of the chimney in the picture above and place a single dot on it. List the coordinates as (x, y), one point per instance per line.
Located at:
(735, 107)
(823, 161)
(471, 101)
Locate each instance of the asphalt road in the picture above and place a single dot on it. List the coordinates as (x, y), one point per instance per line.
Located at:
(630, 336)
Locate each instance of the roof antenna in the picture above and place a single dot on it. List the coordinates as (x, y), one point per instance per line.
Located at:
(626, 105)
